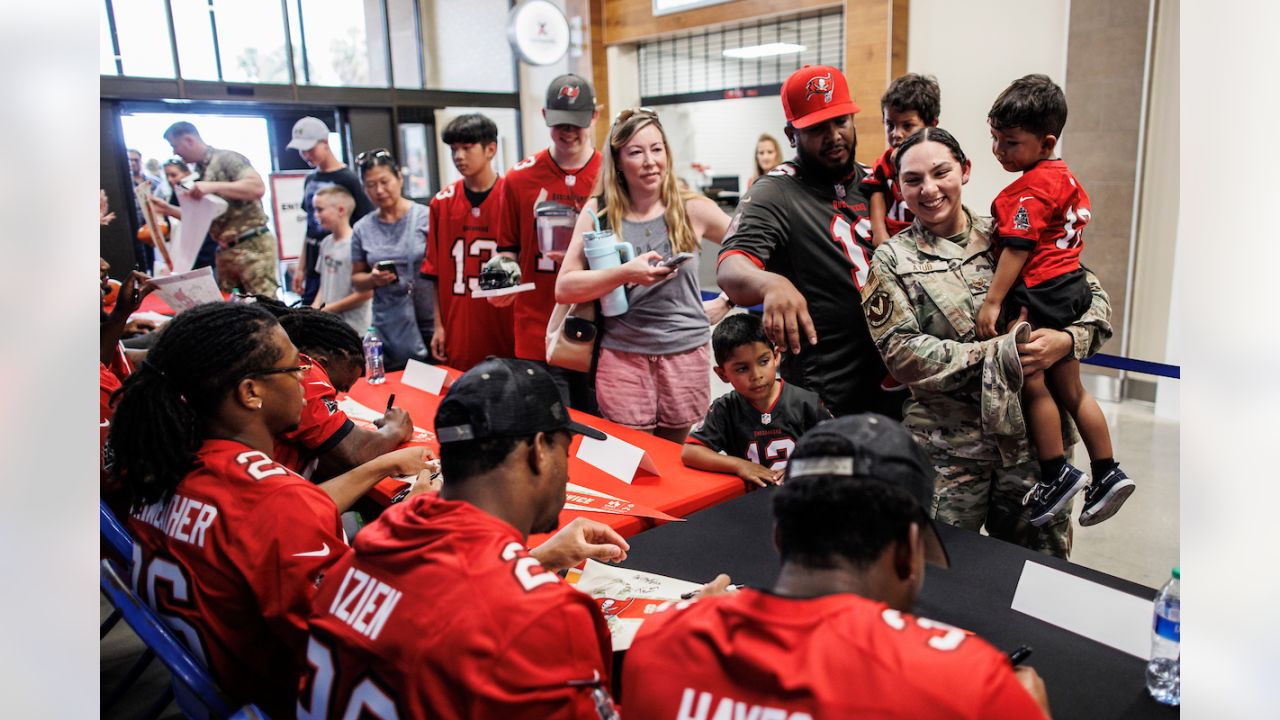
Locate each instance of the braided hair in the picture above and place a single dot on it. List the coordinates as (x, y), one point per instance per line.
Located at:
(160, 420)
(316, 332)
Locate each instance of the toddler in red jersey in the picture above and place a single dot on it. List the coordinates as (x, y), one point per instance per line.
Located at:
(912, 102)
(1039, 221)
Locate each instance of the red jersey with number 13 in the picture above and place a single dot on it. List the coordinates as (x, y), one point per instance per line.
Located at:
(530, 181)
(1043, 211)
(231, 562)
(460, 240)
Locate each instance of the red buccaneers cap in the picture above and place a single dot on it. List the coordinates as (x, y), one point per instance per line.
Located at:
(816, 93)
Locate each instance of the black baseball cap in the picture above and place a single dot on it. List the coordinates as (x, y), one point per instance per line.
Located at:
(504, 397)
(570, 101)
(878, 449)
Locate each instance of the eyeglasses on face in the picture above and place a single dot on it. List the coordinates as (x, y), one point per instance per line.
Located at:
(296, 370)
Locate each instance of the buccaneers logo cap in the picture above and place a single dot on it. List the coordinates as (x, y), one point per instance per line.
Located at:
(816, 93)
(570, 101)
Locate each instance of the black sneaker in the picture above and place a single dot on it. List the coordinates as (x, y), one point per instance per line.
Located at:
(1103, 498)
(1048, 498)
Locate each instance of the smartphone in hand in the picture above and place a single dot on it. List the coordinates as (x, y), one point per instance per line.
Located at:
(676, 260)
(387, 266)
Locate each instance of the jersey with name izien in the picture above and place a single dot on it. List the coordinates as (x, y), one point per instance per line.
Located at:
(817, 235)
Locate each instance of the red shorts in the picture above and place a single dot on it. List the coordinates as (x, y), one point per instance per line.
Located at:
(647, 391)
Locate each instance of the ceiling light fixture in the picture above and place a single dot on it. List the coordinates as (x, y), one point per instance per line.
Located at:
(765, 50)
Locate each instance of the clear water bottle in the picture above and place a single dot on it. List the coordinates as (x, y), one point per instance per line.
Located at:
(373, 373)
(1164, 669)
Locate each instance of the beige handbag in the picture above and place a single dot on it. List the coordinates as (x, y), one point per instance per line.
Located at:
(573, 334)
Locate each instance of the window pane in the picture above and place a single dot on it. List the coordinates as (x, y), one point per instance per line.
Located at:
(106, 52)
(475, 61)
(251, 41)
(143, 33)
(345, 43)
(406, 57)
(413, 161)
(194, 33)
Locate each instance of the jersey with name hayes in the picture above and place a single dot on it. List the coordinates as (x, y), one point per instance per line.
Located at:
(736, 427)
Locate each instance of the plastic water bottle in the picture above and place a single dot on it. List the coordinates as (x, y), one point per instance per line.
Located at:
(1164, 669)
(373, 373)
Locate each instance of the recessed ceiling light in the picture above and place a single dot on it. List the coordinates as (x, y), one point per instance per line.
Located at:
(766, 50)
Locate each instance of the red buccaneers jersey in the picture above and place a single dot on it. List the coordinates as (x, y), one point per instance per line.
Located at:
(1043, 211)
(460, 240)
(882, 180)
(231, 562)
(439, 612)
(322, 425)
(531, 181)
(755, 654)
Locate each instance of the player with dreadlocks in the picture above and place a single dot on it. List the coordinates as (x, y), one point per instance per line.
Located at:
(237, 541)
(325, 434)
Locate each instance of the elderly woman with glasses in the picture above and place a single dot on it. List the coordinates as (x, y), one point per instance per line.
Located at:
(387, 248)
(653, 372)
(229, 544)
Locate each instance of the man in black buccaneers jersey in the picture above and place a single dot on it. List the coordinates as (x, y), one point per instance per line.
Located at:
(800, 242)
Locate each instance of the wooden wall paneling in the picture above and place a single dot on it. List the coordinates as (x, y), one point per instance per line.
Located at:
(872, 59)
(628, 21)
(594, 62)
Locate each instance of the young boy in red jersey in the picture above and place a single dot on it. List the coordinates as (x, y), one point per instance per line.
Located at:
(757, 424)
(912, 102)
(563, 174)
(1039, 221)
(832, 638)
(461, 238)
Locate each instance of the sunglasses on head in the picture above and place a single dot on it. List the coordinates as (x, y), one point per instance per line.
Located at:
(629, 113)
(379, 156)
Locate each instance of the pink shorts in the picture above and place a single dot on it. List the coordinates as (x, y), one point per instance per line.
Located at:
(647, 391)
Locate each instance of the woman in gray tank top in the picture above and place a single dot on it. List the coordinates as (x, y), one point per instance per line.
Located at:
(653, 369)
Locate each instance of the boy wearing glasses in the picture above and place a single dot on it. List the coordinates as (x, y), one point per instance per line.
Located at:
(564, 175)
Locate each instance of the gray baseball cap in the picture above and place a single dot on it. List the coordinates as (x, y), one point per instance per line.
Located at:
(307, 132)
(570, 101)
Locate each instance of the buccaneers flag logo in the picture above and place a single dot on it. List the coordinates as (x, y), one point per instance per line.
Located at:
(820, 85)
(569, 91)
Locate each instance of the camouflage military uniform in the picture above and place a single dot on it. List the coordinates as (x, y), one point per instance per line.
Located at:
(920, 303)
(249, 263)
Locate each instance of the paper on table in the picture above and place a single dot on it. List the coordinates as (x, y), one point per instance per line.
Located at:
(523, 287)
(422, 376)
(184, 291)
(1108, 616)
(619, 592)
(585, 499)
(365, 416)
(197, 216)
(617, 457)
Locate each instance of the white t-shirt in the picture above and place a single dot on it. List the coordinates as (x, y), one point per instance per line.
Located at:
(334, 265)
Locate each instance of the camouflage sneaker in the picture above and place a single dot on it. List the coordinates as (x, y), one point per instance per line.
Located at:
(1103, 498)
(1048, 498)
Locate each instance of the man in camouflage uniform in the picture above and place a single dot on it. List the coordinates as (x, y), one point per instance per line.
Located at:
(247, 257)
(920, 303)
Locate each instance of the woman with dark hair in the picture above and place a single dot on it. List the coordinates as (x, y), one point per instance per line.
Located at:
(229, 545)
(768, 156)
(921, 301)
(653, 369)
(387, 248)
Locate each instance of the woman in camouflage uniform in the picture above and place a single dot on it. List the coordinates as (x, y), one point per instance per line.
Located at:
(926, 286)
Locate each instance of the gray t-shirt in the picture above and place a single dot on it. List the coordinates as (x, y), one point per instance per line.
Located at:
(403, 310)
(662, 319)
(333, 264)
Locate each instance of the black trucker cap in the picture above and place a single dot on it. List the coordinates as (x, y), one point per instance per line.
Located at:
(504, 397)
(570, 101)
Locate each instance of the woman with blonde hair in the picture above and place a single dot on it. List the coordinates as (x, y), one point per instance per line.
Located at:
(652, 374)
(767, 157)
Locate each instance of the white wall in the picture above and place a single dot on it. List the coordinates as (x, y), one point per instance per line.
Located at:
(722, 134)
(975, 49)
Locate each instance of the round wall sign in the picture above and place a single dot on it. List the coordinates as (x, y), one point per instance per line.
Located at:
(538, 32)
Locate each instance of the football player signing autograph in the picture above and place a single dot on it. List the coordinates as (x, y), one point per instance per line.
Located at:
(439, 611)
(800, 243)
(229, 544)
(832, 639)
